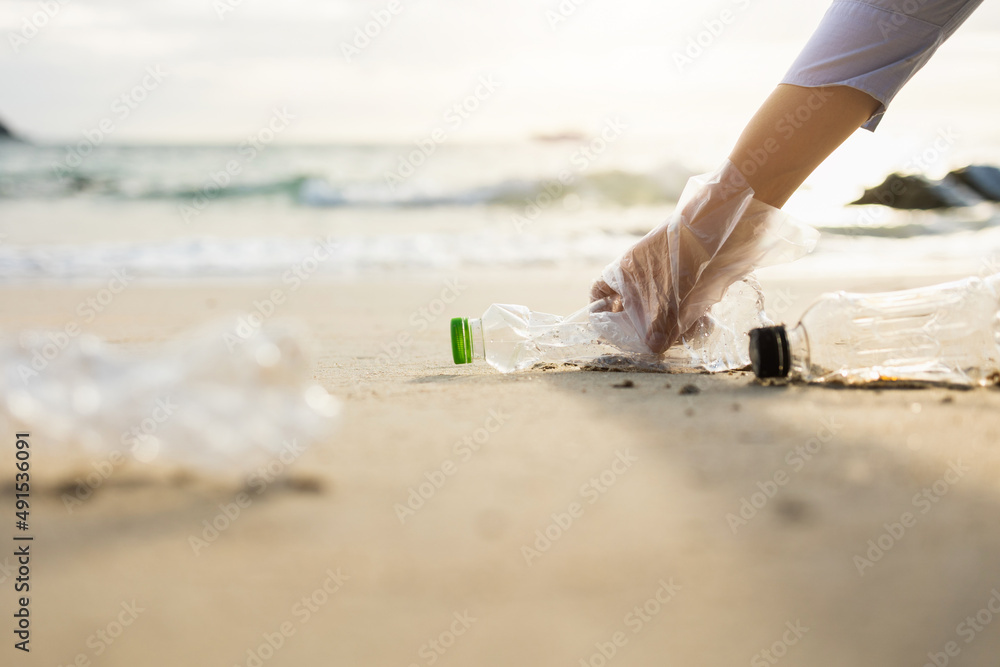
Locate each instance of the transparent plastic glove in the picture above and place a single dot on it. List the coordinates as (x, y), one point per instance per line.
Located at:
(664, 284)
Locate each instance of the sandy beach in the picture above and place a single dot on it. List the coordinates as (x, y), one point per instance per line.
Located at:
(463, 517)
(358, 174)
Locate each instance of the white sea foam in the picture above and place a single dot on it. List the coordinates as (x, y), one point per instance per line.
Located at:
(274, 257)
(353, 256)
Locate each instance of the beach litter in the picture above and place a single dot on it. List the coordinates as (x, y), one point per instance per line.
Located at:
(211, 400)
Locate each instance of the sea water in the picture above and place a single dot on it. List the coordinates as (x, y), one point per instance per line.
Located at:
(177, 212)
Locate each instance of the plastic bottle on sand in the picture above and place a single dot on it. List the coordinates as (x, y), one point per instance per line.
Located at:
(947, 333)
(514, 338)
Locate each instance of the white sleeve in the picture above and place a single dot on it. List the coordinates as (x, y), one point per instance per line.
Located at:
(876, 46)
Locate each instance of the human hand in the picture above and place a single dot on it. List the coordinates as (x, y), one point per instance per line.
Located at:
(661, 286)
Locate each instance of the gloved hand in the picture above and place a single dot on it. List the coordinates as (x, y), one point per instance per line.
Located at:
(660, 287)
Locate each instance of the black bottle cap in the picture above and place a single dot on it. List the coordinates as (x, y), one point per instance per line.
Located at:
(769, 352)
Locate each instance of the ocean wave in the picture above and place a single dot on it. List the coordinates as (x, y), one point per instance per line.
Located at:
(298, 259)
(42, 184)
(283, 187)
(295, 260)
(609, 187)
(884, 222)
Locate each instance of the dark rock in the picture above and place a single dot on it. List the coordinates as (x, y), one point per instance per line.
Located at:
(919, 192)
(983, 179)
(689, 390)
(627, 384)
(4, 132)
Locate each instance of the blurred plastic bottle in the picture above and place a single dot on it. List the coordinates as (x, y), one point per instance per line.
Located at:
(947, 333)
(210, 399)
(514, 338)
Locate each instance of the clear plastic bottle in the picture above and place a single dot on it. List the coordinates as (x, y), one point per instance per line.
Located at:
(514, 338)
(212, 399)
(947, 333)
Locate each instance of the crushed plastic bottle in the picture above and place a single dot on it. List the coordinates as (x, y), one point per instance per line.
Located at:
(948, 333)
(514, 338)
(210, 400)
(694, 271)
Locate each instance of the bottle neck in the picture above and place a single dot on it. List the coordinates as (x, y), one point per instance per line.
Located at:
(798, 348)
(478, 343)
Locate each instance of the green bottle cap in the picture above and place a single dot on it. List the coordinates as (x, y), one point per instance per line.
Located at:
(461, 340)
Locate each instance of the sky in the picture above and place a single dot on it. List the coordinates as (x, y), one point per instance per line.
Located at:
(226, 65)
